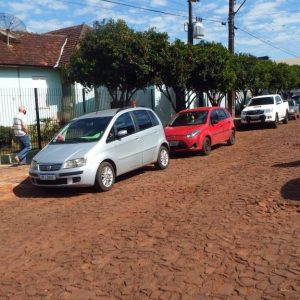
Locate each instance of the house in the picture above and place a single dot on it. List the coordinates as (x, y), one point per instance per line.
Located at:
(34, 60)
(31, 61)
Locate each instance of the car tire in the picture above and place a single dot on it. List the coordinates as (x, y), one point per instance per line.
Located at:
(286, 119)
(163, 158)
(275, 123)
(231, 140)
(105, 177)
(206, 146)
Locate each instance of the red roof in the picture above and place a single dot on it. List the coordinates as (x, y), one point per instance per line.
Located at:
(41, 50)
(73, 34)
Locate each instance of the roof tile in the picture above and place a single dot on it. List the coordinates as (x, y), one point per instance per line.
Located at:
(41, 50)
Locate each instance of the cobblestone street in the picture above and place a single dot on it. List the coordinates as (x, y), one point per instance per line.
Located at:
(225, 226)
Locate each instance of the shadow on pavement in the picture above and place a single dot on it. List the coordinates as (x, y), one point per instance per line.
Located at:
(291, 190)
(26, 190)
(291, 164)
(254, 126)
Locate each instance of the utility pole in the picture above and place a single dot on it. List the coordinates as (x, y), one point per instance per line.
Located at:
(190, 23)
(231, 14)
(231, 27)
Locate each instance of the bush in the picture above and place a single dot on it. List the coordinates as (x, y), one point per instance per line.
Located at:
(48, 129)
(6, 136)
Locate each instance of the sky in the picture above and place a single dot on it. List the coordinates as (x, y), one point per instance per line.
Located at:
(263, 28)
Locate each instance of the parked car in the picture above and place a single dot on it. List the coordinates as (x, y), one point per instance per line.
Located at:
(197, 129)
(265, 109)
(293, 109)
(296, 98)
(95, 148)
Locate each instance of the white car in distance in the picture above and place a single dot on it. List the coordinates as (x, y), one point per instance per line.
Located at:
(265, 109)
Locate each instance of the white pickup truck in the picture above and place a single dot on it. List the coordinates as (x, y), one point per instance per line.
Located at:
(266, 109)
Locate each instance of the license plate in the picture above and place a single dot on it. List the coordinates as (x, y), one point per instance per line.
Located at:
(173, 143)
(47, 177)
(255, 118)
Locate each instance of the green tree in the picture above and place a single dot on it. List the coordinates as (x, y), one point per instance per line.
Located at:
(212, 71)
(261, 76)
(280, 77)
(117, 57)
(243, 68)
(174, 72)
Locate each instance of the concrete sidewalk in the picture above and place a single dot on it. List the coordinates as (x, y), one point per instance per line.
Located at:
(10, 177)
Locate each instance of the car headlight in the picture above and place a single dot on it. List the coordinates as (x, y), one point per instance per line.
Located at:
(292, 110)
(244, 113)
(268, 110)
(193, 133)
(74, 163)
(34, 165)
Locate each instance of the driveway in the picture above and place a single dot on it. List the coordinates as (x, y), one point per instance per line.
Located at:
(225, 226)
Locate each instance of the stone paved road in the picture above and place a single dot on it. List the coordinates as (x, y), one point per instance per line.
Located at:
(226, 226)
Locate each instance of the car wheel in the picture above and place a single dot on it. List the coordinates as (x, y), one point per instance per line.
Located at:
(275, 124)
(231, 140)
(105, 177)
(163, 158)
(206, 146)
(286, 119)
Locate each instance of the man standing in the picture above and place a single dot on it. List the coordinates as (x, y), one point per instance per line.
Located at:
(21, 134)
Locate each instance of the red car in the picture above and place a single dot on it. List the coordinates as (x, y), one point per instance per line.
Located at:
(199, 128)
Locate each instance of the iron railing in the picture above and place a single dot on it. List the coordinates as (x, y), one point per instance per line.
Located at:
(47, 110)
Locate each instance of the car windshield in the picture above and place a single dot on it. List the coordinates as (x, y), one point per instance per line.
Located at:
(291, 103)
(82, 131)
(261, 101)
(190, 118)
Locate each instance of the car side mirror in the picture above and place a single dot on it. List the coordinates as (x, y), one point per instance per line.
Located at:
(122, 133)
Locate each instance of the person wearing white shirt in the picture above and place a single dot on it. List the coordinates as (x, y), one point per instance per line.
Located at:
(21, 133)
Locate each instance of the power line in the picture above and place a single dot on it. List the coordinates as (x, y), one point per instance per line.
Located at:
(129, 5)
(219, 21)
(264, 15)
(267, 42)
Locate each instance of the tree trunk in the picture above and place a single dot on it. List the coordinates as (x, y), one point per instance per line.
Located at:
(180, 99)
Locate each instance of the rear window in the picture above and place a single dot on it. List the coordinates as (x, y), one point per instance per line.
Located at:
(143, 119)
(221, 114)
(153, 118)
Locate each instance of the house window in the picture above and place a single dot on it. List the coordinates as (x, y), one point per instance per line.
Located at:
(40, 83)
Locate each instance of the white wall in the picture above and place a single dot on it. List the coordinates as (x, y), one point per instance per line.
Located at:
(16, 88)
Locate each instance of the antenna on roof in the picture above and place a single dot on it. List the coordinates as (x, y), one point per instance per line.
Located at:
(11, 26)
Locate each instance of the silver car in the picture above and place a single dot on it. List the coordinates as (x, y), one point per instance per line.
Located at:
(95, 148)
(293, 109)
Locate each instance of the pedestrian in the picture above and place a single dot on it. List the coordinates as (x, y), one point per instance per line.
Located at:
(21, 133)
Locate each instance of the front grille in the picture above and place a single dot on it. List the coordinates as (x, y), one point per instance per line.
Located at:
(52, 182)
(255, 112)
(49, 167)
(180, 145)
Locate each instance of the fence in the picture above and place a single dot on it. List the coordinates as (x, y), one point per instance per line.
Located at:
(47, 111)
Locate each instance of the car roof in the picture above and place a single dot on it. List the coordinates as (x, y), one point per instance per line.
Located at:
(208, 108)
(109, 112)
(263, 96)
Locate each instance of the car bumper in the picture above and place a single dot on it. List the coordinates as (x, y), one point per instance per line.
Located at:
(257, 119)
(183, 145)
(61, 178)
